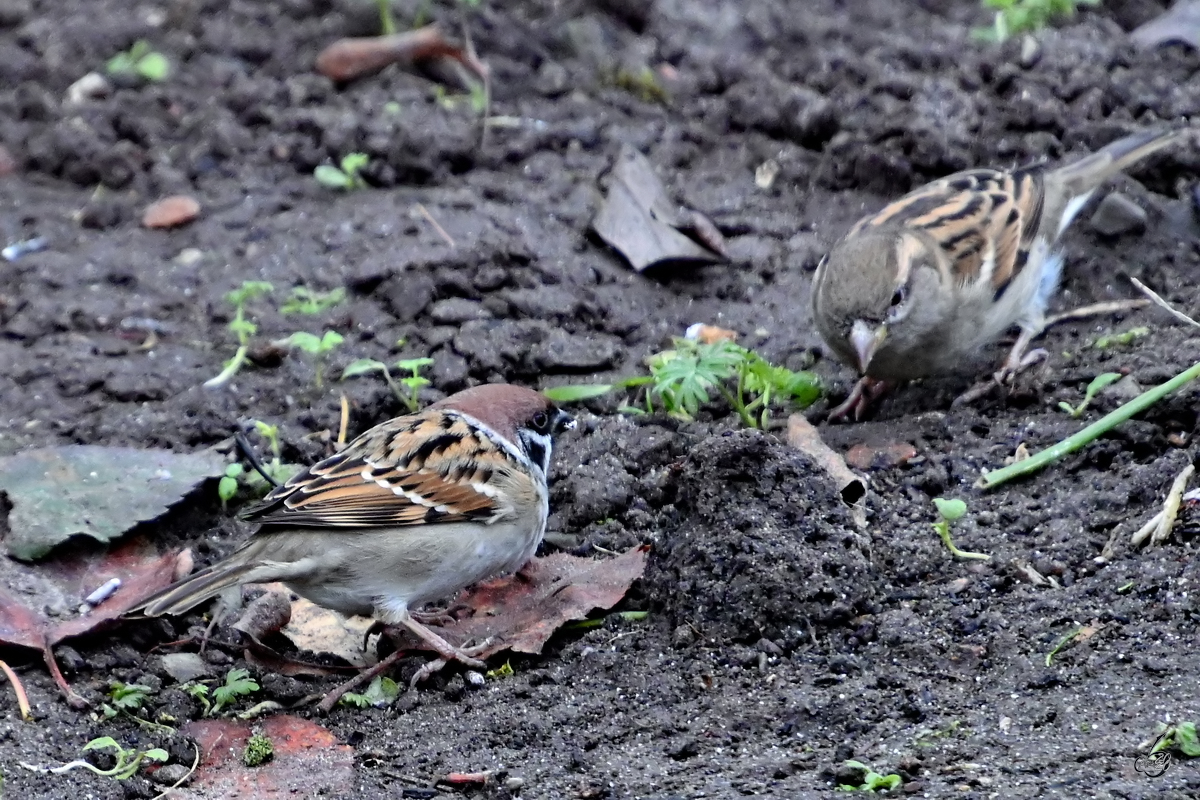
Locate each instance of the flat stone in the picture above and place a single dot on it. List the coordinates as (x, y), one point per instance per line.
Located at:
(563, 352)
(457, 310)
(1117, 215)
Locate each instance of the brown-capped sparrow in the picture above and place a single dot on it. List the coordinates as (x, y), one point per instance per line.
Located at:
(412, 511)
(919, 287)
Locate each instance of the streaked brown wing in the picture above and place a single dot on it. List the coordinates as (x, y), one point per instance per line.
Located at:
(985, 220)
(406, 472)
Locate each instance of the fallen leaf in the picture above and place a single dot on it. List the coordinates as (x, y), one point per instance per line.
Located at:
(347, 59)
(521, 612)
(1180, 24)
(319, 630)
(171, 212)
(8, 164)
(807, 439)
(709, 334)
(308, 762)
(637, 220)
(884, 456)
(59, 492)
(39, 605)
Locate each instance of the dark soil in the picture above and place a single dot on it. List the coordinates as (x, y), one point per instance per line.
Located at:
(781, 640)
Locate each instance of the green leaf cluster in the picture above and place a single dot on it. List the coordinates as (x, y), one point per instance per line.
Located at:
(407, 388)
(140, 60)
(346, 176)
(1021, 16)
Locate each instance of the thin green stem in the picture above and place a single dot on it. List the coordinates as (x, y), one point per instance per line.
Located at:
(231, 368)
(1089, 434)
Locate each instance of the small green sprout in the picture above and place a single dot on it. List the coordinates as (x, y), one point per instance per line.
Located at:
(585, 624)
(503, 671)
(684, 379)
(1121, 339)
(1020, 16)
(872, 780)
(345, 176)
(387, 23)
(642, 84)
(951, 511)
(127, 697)
(140, 60)
(304, 300)
(238, 683)
(258, 750)
(1182, 737)
(126, 767)
(1062, 643)
(242, 328)
(319, 347)
(228, 485)
(1098, 384)
(407, 389)
(381, 693)
(1126, 587)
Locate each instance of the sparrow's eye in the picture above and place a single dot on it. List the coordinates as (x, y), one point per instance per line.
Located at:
(898, 298)
(541, 422)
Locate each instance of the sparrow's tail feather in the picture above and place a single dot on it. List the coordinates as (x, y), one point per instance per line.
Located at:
(182, 596)
(1069, 187)
(1084, 175)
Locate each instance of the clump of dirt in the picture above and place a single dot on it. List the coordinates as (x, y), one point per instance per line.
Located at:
(781, 640)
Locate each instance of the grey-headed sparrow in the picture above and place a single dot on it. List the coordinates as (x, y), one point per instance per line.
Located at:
(412, 511)
(917, 288)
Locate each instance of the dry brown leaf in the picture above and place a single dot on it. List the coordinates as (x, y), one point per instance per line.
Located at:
(319, 630)
(39, 603)
(170, 212)
(308, 762)
(807, 439)
(638, 220)
(347, 59)
(521, 612)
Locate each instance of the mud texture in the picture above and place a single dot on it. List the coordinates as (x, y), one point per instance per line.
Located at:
(781, 640)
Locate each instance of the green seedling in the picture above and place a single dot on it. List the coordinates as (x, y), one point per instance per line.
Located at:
(477, 98)
(242, 328)
(346, 175)
(586, 624)
(228, 485)
(1125, 587)
(1120, 339)
(381, 693)
(319, 347)
(642, 84)
(1021, 16)
(127, 697)
(407, 389)
(1062, 644)
(304, 300)
(504, 671)
(238, 683)
(259, 750)
(1098, 384)
(949, 512)
(140, 60)
(1183, 737)
(387, 23)
(872, 781)
(126, 767)
(684, 379)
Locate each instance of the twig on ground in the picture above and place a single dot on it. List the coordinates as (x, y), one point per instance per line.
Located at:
(853, 488)
(1158, 529)
(22, 698)
(1163, 304)
(167, 791)
(1096, 310)
(441, 231)
(1089, 434)
(344, 424)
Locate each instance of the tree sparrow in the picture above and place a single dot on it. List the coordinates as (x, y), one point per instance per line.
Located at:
(918, 287)
(412, 511)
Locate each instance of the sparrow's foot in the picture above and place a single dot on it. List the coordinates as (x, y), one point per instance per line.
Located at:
(864, 393)
(463, 654)
(1017, 362)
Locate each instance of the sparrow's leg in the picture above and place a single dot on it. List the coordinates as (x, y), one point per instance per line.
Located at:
(440, 645)
(865, 392)
(1017, 361)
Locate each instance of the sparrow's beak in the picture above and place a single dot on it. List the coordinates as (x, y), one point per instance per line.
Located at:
(866, 340)
(563, 421)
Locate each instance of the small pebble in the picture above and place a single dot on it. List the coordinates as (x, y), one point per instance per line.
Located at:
(169, 775)
(475, 679)
(1117, 215)
(90, 87)
(170, 212)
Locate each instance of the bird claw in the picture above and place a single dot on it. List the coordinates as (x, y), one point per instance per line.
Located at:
(1014, 365)
(864, 393)
(464, 655)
